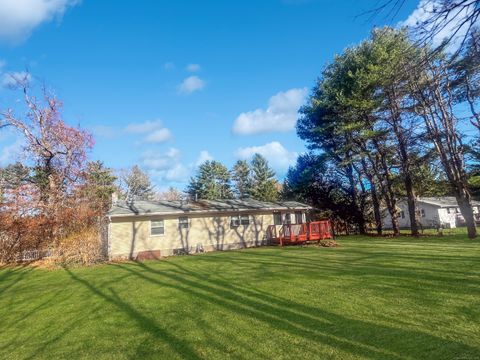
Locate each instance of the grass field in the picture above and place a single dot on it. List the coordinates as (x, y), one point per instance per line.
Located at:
(371, 298)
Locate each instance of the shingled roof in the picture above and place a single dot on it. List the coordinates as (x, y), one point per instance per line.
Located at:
(122, 208)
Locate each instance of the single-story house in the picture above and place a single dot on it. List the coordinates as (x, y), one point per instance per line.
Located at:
(144, 229)
(433, 212)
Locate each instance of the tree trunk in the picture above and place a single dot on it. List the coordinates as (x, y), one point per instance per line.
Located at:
(404, 159)
(412, 206)
(465, 204)
(376, 208)
(435, 105)
(390, 199)
(375, 201)
(359, 218)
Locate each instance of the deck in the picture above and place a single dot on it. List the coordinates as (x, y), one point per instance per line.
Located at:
(291, 234)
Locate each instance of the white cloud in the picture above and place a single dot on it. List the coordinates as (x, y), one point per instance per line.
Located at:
(276, 154)
(159, 136)
(167, 167)
(193, 67)
(18, 18)
(141, 128)
(204, 156)
(156, 132)
(446, 27)
(157, 161)
(280, 115)
(191, 84)
(12, 79)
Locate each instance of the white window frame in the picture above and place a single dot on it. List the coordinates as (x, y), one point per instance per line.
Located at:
(301, 213)
(242, 218)
(181, 225)
(157, 227)
(235, 221)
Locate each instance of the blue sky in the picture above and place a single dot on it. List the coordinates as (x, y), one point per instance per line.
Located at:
(168, 84)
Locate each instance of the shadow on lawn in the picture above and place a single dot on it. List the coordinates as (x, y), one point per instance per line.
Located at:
(431, 278)
(179, 346)
(358, 337)
(12, 276)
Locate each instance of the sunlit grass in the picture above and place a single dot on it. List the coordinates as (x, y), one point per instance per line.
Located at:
(372, 298)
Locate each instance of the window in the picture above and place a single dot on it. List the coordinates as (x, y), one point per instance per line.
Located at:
(245, 220)
(402, 214)
(298, 217)
(235, 221)
(183, 223)
(448, 210)
(288, 218)
(422, 212)
(277, 218)
(157, 227)
(238, 220)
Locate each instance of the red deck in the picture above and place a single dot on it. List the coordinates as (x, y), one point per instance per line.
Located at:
(299, 233)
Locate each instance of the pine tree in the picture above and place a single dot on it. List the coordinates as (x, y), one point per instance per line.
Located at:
(99, 183)
(241, 175)
(212, 182)
(264, 185)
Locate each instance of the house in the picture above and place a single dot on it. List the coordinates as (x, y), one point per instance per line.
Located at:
(433, 212)
(149, 229)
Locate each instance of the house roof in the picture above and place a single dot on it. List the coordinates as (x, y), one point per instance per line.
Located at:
(122, 208)
(445, 201)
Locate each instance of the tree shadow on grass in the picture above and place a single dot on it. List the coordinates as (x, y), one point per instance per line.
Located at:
(358, 337)
(431, 278)
(148, 325)
(12, 276)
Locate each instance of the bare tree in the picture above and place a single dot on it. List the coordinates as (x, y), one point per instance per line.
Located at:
(449, 20)
(431, 89)
(172, 194)
(135, 184)
(57, 150)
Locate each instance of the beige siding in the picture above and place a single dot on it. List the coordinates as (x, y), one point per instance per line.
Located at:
(128, 236)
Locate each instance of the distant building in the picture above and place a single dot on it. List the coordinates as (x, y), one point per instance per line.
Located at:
(145, 229)
(433, 212)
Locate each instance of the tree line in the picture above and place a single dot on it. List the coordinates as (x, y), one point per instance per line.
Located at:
(56, 199)
(254, 180)
(212, 181)
(389, 118)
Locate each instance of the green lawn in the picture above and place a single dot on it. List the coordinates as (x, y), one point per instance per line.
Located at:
(371, 298)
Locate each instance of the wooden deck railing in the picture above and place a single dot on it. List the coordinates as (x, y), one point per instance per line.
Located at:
(299, 233)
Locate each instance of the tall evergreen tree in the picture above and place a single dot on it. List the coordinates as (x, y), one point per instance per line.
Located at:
(241, 175)
(315, 181)
(14, 175)
(264, 185)
(99, 184)
(212, 182)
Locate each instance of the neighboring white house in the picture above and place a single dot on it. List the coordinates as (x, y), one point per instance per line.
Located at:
(432, 212)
